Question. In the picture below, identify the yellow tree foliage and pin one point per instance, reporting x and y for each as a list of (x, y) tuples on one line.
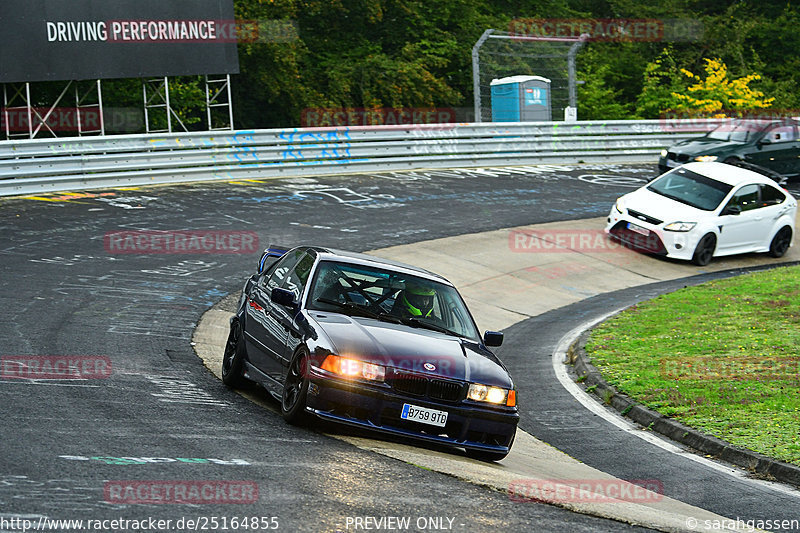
[(718, 96)]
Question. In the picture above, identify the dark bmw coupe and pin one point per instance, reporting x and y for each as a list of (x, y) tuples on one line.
[(372, 343)]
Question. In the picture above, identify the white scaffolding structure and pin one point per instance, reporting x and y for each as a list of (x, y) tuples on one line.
[(18, 103), (24, 118)]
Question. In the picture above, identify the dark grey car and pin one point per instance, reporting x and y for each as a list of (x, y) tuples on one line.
[(771, 144), (376, 344)]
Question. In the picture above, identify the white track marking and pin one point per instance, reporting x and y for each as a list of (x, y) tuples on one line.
[(590, 403)]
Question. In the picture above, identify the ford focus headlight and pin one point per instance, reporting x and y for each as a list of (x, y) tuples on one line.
[(680, 226)]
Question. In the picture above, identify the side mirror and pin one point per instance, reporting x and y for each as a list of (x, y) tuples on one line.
[(493, 338), (283, 297), (732, 210), (765, 140)]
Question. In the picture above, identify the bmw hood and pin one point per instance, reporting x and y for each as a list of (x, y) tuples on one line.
[(408, 349), (703, 146)]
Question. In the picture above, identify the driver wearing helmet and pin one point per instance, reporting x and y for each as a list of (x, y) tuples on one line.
[(415, 301)]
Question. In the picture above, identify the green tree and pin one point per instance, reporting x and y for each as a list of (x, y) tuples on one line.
[(716, 94), (597, 99), (662, 79)]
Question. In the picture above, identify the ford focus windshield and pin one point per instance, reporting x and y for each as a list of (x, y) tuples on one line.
[(690, 188)]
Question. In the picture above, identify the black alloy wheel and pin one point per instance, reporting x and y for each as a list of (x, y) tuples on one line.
[(781, 242), (295, 388), (705, 250)]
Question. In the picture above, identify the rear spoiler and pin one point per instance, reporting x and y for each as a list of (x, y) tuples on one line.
[(777, 177), (271, 255)]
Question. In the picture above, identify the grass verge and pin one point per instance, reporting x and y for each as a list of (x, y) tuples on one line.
[(722, 357)]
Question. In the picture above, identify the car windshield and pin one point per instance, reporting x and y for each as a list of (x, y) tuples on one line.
[(740, 131), (690, 188), (371, 292)]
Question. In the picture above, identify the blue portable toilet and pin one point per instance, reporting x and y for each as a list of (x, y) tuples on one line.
[(521, 99)]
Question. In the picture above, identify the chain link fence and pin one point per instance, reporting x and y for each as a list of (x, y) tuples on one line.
[(499, 55)]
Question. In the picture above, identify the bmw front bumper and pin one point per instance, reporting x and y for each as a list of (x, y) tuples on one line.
[(377, 407)]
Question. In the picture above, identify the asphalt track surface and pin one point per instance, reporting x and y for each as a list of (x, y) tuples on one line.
[(64, 294)]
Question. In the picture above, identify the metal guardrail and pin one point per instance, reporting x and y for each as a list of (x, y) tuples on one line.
[(42, 165)]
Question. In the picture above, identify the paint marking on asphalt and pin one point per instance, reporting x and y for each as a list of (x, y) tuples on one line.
[(47, 383), (612, 417)]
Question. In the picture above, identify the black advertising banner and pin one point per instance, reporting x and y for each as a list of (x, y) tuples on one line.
[(51, 40)]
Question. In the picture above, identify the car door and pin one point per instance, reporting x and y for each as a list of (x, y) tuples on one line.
[(296, 281), (741, 231), (778, 149), (773, 202), (265, 335)]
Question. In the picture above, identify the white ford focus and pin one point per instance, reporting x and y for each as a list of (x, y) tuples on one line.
[(704, 210)]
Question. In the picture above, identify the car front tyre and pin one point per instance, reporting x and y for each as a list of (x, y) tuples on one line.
[(295, 389), (705, 250), (781, 242), (234, 356)]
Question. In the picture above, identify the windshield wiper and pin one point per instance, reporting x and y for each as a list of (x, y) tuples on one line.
[(417, 323), (363, 311)]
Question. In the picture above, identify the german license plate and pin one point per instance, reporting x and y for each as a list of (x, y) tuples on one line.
[(638, 229), (424, 415)]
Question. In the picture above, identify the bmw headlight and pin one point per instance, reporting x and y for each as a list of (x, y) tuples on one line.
[(706, 158), (680, 226), (494, 395), (352, 368)]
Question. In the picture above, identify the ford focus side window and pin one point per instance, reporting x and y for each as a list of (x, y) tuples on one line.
[(746, 198), (771, 196)]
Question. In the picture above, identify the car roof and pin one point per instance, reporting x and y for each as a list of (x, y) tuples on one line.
[(333, 254), (762, 122), (725, 173)]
